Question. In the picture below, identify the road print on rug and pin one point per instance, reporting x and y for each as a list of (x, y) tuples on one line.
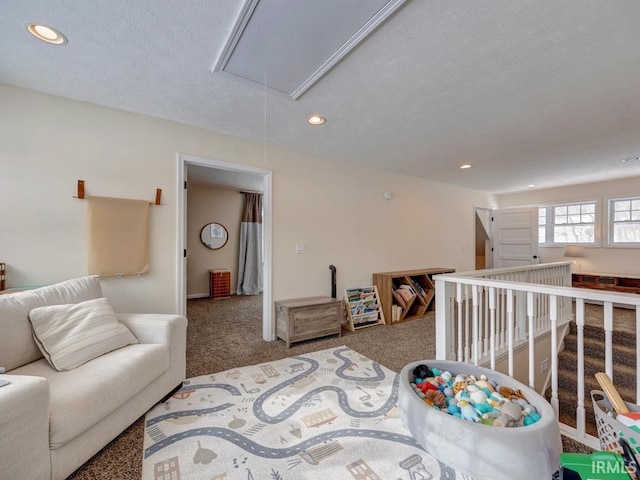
[(329, 414)]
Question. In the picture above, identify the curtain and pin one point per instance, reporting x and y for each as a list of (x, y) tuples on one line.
[(250, 263)]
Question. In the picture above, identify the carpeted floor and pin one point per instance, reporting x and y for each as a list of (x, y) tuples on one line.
[(226, 334)]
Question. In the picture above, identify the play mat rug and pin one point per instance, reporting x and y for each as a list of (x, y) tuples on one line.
[(325, 415)]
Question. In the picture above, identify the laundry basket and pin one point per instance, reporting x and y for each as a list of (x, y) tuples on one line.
[(611, 430)]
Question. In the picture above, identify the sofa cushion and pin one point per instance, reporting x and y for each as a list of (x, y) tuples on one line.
[(70, 335), (85, 395), (14, 316)]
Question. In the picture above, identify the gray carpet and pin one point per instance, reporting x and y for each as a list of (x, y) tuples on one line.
[(225, 334)]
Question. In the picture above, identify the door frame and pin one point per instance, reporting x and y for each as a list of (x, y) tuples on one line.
[(268, 326)]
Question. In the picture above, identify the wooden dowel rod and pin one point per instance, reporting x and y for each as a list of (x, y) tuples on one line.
[(158, 195)]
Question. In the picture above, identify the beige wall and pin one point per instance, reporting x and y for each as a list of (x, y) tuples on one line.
[(599, 259), (205, 205), (47, 143)]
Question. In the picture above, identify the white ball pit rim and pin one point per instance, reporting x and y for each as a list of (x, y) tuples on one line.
[(481, 451)]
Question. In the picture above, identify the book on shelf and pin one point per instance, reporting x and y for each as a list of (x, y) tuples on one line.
[(406, 292), (419, 290), (396, 313)]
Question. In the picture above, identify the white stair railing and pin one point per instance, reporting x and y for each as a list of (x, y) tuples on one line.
[(489, 314)]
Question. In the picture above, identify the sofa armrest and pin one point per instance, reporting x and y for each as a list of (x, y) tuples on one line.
[(164, 329), (24, 427)]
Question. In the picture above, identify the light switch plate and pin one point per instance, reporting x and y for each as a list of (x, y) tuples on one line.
[(301, 248)]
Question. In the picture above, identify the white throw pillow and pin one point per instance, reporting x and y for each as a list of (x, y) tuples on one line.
[(70, 335)]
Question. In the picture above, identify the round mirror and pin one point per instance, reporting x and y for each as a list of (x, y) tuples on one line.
[(214, 236)]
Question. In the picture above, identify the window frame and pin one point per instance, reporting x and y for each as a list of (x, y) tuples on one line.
[(551, 223), (610, 223)]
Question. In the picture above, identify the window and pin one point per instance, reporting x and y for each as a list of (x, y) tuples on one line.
[(567, 224), (624, 221)]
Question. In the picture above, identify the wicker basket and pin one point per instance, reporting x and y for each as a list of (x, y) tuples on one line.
[(610, 429)]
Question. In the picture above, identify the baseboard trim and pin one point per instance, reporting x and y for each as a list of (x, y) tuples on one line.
[(197, 295)]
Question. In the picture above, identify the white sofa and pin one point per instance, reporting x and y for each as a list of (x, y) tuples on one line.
[(51, 422)]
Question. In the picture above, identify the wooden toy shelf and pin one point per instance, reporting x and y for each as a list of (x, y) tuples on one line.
[(363, 308), (408, 294)]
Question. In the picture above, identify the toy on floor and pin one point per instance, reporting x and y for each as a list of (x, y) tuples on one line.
[(477, 400), (599, 465)]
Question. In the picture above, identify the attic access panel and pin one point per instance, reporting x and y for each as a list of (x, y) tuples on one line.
[(287, 45)]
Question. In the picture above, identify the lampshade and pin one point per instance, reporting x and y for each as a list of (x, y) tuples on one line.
[(574, 251)]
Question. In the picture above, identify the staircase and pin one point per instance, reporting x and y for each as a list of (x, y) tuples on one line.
[(624, 370)]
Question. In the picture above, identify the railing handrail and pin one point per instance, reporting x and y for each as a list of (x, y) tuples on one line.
[(480, 273), (574, 292)]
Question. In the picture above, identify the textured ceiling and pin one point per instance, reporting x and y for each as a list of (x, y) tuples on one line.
[(529, 92)]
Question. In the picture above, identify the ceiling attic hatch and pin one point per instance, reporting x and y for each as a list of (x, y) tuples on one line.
[(288, 45)]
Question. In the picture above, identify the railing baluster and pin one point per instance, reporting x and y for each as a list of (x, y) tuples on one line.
[(553, 312), (503, 319), (467, 337), (459, 332), (532, 369), (510, 329), (608, 339), (476, 341), (492, 320), (580, 411)]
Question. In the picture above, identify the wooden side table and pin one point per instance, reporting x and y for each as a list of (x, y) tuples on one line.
[(306, 318), (219, 283)]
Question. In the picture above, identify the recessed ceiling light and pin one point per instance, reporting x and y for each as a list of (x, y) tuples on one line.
[(46, 33), (316, 120), (465, 166), (631, 159), (531, 185)]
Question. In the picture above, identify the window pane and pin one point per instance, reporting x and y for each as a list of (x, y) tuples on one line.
[(574, 234), (574, 209), (626, 233), (589, 208), (620, 205), (589, 218), (635, 215), (621, 216), (561, 219), (560, 211), (635, 204), (574, 219), (542, 216), (542, 234)]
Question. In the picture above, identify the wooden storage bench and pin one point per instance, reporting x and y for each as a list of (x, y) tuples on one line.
[(306, 318)]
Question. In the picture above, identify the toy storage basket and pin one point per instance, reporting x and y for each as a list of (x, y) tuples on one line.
[(610, 429)]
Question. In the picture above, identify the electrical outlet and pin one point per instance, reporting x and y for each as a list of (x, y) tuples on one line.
[(544, 366)]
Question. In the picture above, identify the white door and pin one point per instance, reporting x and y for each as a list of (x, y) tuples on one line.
[(515, 237)]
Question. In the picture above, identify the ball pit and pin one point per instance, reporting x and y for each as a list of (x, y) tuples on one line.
[(479, 450)]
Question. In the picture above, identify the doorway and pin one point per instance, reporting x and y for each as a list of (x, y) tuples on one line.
[(483, 256), (233, 173)]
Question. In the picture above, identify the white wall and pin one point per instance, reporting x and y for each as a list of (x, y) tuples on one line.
[(205, 205), (598, 259), (47, 143)]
